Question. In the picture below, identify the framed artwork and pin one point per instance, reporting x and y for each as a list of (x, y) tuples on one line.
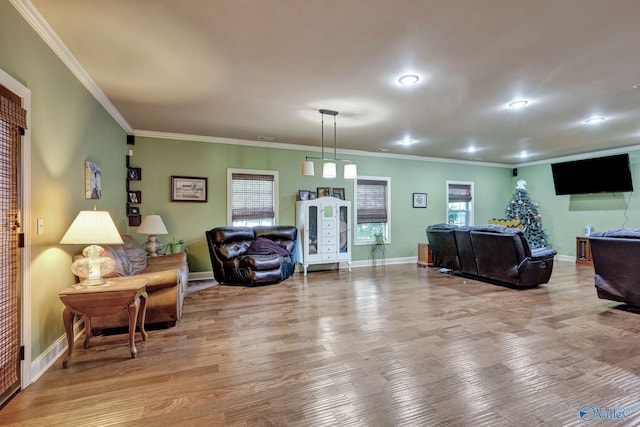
[(313, 195), (135, 197), (134, 211), (338, 193), (324, 191), (134, 174), (419, 200), (189, 189), (303, 194), (92, 180)]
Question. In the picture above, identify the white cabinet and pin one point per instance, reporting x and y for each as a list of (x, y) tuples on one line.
[(324, 231)]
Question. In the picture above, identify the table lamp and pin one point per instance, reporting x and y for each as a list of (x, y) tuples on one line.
[(152, 225), (92, 228)]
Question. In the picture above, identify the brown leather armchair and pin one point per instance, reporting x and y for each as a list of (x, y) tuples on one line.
[(252, 256), (615, 256)]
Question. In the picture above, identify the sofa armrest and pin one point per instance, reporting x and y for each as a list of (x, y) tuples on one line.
[(542, 253), (168, 259), (160, 279)]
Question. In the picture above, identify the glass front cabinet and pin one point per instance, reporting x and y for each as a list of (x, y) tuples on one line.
[(324, 231)]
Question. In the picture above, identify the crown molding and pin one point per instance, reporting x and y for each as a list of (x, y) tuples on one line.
[(582, 156), (44, 30)]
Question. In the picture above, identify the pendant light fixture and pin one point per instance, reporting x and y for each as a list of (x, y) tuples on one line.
[(329, 169)]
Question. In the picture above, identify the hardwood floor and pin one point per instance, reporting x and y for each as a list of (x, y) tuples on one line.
[(399, 346)]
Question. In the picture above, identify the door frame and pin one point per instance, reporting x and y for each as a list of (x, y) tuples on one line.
[(19, 89)]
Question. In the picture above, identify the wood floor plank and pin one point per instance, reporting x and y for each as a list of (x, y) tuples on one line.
[(376, 347)]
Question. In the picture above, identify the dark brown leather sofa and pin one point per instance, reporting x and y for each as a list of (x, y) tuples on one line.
[(252, 256), (492, 253), (615, 256)]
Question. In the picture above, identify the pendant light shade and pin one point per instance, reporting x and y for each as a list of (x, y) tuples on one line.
[(350, 171), (329, 170), (329, 165), (306, 169)]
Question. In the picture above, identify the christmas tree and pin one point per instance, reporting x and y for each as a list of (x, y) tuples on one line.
[(522, 208)]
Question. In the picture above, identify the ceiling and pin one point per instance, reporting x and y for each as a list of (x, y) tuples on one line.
[(250, 69)]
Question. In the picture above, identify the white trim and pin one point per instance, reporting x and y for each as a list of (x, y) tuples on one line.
[(44, 30), (200, 275), (53, 353), (25, 317), (569, 258), (276, 188), (582, 156)]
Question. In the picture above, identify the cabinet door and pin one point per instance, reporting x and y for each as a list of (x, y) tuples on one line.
[(343, 229), (312, 217)]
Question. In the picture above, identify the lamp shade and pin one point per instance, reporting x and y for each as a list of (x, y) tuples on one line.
[(306, 169), (152, 224), (92, 227), (329, 170), (350, 171)]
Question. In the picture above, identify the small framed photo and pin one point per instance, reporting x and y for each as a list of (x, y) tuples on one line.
[(135, 197), (134, 211), (303, 194), (324, 191), (134, 174), (189, 189), (419, 200), (313, 195), (338, 193)]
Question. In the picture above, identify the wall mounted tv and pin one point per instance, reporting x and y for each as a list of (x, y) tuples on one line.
[(611, 174)]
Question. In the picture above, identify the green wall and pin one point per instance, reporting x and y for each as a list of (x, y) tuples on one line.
[(565, 217), (162, 158), (68, 126)]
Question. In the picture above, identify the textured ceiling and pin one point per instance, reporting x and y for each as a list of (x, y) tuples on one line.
[(248, 68)]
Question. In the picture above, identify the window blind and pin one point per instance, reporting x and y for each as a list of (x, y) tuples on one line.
[(252, 196), (371, 197), (12, 119), (459, 193)]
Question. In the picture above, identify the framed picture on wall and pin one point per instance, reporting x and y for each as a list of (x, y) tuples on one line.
[(338, 193), (188, 189), (324, 191), (419, 200)]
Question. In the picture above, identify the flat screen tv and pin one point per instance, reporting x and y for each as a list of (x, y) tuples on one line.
[(611, 174)]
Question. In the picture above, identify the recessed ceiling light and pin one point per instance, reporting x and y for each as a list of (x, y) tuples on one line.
[(593, 120), (408, 79), (407, 141), (524, 154), (471, 149), (518, 104)]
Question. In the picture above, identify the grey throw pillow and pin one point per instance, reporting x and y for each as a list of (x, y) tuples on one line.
[(137, 256)]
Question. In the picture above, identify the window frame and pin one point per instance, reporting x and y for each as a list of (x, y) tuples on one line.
[(387, 233), (276, 191), (470, 212)]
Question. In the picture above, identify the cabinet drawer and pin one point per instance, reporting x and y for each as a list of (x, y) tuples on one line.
[(331, 249), (332, 232), (329, 257), (331, 240), (329, 224)]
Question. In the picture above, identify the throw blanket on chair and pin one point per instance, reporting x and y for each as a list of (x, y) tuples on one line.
[(264, 246)]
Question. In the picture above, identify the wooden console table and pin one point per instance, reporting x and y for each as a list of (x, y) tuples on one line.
[(424, 255), (121, 293), (583, 251)]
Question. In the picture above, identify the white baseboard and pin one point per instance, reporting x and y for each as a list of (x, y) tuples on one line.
[(43, 362), (565, 258), (200, 275)]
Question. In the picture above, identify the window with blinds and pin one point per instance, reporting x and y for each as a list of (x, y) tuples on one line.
[(460, 203), (372, 209), (253, 197), (12, 120)]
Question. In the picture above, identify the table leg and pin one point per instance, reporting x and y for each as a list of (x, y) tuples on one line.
[(87, 330), (133, 309), (142, 314), (67, 318)]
